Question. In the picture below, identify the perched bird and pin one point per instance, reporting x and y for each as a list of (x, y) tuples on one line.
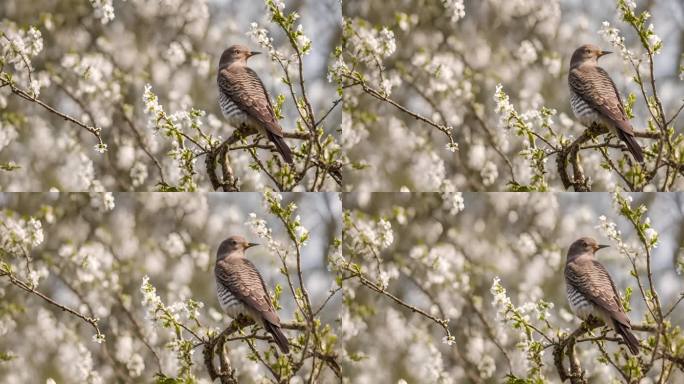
[(592, 293), (241, 290), (595, 100), (243, 99)]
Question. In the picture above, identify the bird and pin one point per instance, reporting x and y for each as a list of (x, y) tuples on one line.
[(241, 289), (244, 100), (592, 293), (595, 99)]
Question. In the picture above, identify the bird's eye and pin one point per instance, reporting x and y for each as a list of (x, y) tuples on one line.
[(232, 242), (587, 51)]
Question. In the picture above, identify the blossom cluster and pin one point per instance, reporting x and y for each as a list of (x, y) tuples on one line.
[(466, 269), (92, 78), (456, 8), (19, 235), (177, 127), (103, 10), (18, 46), (440, 78)]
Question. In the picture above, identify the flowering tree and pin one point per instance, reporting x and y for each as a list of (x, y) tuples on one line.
[(476, 294), (119, 288), (98, 98), (461, 95), (436, 97)]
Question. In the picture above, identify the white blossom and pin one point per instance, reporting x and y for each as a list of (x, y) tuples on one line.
[(303, 42), (262, 38), (258, 226), (19, 235), (135, 365), (99, 339), (651, 236), (503, 105), (453, 200), (138, 173), (489, 173), (486, 366), (612, 36), (101, 148), (455, 8), (372, 43), (385, 234), (527, 53), (150, 298), (175, 54), (104, 10), (175, 245), (526, 244)]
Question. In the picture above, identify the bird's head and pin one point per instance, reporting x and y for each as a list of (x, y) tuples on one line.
[(236, 53), (584, 245), (586, 53), (233, 244)]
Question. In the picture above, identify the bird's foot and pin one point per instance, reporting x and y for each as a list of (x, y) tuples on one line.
[(590, 323)]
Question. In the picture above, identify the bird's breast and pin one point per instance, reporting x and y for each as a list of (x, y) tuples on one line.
[(229, 108), (230, 304), (583, 111), (579, 304), (236, 116)]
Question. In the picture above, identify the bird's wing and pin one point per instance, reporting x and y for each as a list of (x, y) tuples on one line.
[(243, 280), (592, 280), (243, 86), (594, 86)]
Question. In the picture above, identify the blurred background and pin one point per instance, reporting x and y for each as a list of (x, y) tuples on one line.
[(445, 264), (174, 46), (94, 260), (445, 65)]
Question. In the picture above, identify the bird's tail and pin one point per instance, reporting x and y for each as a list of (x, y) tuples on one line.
[(626, 332), (282, 147), (633, 147), (278, 336)]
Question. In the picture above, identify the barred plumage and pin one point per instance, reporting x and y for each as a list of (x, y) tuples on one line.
[(241, 290), (244, 100), (579, 303), (230, 304), (595, 100), (229, 108), (591, 291), (583, 111)]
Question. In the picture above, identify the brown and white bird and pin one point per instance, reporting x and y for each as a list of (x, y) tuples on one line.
[(243, 98), (592, 293), (595, 100), (241, 290)]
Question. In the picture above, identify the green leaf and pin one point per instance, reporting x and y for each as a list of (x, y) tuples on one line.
[(9, 166), (6, 356)]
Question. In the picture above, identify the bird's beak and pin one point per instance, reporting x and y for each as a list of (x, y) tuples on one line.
[(601, 246), (253, 53), (250, 245), (603, 53)]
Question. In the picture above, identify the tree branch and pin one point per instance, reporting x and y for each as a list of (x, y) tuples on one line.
[(30, 289), (215, 346), (26, 96)]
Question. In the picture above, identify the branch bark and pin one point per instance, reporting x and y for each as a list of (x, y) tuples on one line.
[(220, 155), (570, 154), (215, 347), (566, 346)]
